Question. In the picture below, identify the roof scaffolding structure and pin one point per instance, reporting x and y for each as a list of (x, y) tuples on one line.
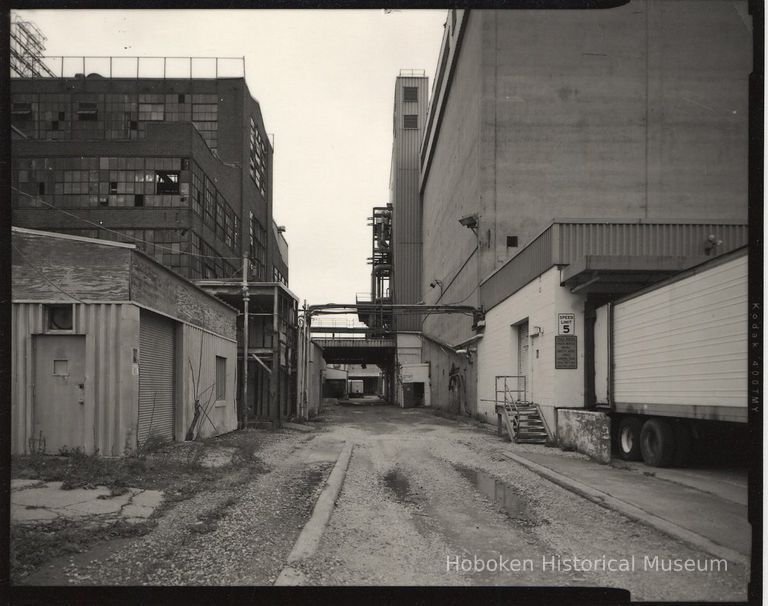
[(27, 48)]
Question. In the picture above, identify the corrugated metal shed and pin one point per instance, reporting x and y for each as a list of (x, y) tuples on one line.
[(110, 405), (563, 242)]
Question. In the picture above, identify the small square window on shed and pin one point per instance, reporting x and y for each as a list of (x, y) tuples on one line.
[(61, 368), (511, 241), (167, 181), (221, 378), (410, 121), (59, 317), (410, 93)]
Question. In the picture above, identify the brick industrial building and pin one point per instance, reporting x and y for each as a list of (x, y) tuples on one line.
[(179, 166)]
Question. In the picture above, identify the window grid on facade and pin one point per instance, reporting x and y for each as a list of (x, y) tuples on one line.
[(76, 182), (175, 248), (86, 116), (257, 249), (258, 151)]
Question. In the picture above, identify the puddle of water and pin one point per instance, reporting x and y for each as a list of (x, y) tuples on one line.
[(502, 495), (398, 483)]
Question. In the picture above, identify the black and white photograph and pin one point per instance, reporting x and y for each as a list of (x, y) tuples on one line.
[(456, 300)]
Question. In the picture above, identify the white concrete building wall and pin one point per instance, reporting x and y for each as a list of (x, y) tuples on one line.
[(408, 348), (497, 352)]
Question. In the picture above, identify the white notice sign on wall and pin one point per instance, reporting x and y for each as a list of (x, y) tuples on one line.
[(566, 324)]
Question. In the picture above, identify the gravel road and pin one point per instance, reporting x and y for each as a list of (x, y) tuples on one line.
[(237, 533), (421, 489), (421, 492)]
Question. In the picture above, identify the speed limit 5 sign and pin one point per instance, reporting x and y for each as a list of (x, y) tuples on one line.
[(566, 324)]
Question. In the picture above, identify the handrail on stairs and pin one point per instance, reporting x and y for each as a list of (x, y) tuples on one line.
[(550, 435)]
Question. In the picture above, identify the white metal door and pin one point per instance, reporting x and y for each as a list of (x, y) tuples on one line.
[(522, 359)]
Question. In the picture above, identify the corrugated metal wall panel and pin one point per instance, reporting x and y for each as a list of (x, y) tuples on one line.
[(407, 235), (157, 363), (662, 353), (683, 239), (566, 242)]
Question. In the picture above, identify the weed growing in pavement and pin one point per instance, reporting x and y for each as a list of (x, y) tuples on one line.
[(207, 522), (33, 545)]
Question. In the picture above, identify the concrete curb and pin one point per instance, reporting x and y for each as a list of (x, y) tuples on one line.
[(309, 539), (632, 511)]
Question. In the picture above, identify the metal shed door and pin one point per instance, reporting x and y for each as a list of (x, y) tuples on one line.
[(157, 361)]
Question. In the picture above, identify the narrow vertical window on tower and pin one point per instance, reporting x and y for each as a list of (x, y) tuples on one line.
[(410, 93), (410, 121)]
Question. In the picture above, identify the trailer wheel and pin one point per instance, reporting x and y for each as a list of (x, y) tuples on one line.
[(628, 438), (657, 442)]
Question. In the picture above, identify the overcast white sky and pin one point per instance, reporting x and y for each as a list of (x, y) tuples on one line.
[(325, 82)]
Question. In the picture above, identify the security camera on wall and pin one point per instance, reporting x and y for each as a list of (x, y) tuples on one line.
[(469, 221)]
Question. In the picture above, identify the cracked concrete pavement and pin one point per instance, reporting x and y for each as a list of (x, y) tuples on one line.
[(34, 502)]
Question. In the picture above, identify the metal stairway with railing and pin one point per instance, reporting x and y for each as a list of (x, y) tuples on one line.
[(529, 427), (522, 419)]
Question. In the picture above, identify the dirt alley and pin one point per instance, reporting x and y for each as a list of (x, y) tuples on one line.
[(420, 490)]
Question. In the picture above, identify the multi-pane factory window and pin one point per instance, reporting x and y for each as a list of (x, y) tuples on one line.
[(277, 276), (410, 93), (410, 121), (167, 181), (111, 116), (212, 207), (152, 112), (257, 159), (87, 111), (209, 204), (257, 249), (99, 181), (197, 189), (180, 250)]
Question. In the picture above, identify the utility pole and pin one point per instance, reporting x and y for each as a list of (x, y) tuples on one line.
[(274, 377), (305, 383), (244, 408)]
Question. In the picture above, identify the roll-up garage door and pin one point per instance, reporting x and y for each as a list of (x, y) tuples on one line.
[(157, 361)]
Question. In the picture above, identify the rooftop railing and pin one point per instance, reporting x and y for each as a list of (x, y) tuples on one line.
[(413, 73), (143, 67)]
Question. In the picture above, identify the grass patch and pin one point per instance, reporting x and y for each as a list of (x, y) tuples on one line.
[(173, 468), (33, 545)]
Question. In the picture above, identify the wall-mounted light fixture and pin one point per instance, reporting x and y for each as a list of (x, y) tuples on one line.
[(711, 244), (470, 221)]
